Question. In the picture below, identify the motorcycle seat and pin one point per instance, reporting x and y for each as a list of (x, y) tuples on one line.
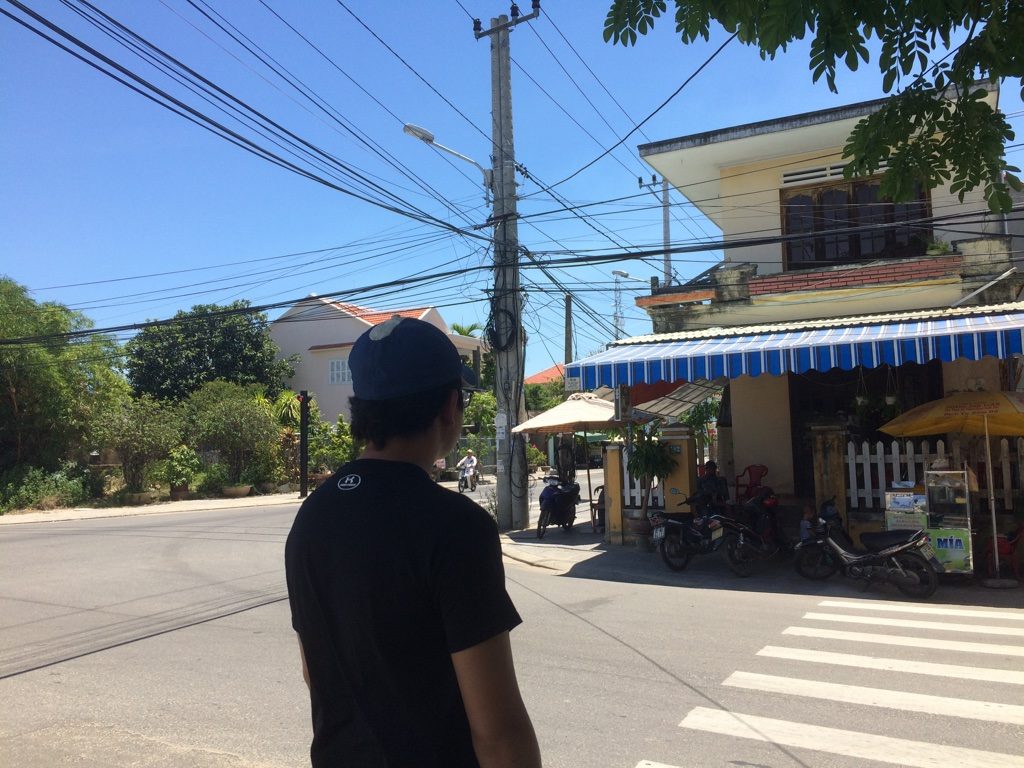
[(876, 542), (682, 517)]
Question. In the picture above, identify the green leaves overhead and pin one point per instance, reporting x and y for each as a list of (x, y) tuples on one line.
[(933, 55)]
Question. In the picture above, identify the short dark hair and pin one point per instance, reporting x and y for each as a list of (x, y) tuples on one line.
[(377, 421)]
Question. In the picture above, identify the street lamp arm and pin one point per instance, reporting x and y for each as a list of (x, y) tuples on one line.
[(428, 138)]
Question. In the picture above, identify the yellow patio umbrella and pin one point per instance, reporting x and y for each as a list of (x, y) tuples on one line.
[(975, 413)]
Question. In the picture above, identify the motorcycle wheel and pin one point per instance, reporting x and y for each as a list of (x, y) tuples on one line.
[(673, 553), (915, 565), (542, 524), (462, 484), (739, 557), (472, 483), (815, 563)]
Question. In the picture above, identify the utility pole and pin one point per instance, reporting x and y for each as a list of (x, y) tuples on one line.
[(568, 328), (666, 229), (506, 333)]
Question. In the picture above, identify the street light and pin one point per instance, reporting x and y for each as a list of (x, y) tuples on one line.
[(428, 138), (617, 319)]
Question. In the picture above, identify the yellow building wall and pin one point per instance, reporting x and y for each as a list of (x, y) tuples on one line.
[(761, 432)]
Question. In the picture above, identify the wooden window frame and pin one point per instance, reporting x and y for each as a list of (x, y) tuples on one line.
[(850, 185)]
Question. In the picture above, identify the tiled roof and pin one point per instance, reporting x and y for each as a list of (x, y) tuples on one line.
[(374, 316), (554, 373)]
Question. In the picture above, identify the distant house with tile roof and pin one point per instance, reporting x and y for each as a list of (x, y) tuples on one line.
[(554, 373), (321, 331)]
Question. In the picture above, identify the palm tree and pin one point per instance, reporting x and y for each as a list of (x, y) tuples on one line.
[(467, 330)]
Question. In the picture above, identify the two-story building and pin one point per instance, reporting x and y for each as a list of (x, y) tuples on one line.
[(321, 331), (832, 304)]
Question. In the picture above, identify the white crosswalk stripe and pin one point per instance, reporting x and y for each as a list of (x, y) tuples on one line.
[(989, 675), (884, 749), (912, 642), (937, 657), (941, 626), (879, 697), (929, 610)]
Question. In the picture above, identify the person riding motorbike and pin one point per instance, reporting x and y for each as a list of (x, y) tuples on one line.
[(468, 462)]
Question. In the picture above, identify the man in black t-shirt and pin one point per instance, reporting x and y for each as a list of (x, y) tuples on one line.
[(396, 584)]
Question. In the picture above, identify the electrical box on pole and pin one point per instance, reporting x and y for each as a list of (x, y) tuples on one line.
[(505, 326)]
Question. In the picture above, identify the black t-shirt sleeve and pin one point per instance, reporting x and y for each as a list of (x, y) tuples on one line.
[(470, 583)]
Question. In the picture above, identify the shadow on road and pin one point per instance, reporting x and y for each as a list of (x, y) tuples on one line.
[(595, 559)]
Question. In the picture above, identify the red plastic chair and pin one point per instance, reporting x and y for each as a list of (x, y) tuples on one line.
[(746, 489), (1007, 554)]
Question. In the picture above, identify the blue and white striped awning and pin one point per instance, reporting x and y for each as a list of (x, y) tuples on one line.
[(969, 333)]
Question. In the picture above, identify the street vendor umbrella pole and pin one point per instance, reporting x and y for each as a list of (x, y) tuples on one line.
[(987, 413)]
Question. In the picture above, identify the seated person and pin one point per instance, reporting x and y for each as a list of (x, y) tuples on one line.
[(715, 490)]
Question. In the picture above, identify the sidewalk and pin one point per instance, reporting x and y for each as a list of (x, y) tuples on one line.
[(157, 508)]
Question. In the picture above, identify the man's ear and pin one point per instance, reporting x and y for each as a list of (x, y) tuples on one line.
[(450, 410)]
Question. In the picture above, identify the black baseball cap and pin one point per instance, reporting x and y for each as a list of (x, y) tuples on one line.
[(404, 356)]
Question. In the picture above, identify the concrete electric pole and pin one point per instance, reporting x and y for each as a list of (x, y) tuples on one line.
[(666, 229), (506, 332)]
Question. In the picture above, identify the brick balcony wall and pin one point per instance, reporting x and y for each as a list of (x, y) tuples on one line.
[(927, 268)]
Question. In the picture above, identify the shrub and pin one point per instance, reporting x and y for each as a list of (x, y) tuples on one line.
[(534, 456), (330, 448), (25, 487), (141, 430), (229, 418), (181, 467), (214, 478)]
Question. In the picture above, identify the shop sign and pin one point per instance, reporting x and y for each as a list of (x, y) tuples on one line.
[(952, 548)]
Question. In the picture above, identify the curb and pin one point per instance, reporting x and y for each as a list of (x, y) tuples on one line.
[(161, 508)]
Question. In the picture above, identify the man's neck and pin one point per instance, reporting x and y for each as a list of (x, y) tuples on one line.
[(420, 450)]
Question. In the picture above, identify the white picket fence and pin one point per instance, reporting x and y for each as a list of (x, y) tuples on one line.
[(632, 491), (872, 469)]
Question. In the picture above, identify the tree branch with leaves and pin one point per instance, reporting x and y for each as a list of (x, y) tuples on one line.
[(936, 57)]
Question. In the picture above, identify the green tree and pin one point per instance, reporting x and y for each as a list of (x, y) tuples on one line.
[(935, 128), (53, 378), (649, 459), (207, 343), (234, 421), (541, 397), (487, 363), (482, 410), (702, 414), (142, 430)]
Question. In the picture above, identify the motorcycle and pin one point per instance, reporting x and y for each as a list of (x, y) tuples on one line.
[(903, 558), (681, 535), (757, 537), (467, 478), (558, 506)]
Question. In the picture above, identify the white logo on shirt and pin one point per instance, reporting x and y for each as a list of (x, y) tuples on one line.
[(349, 482)]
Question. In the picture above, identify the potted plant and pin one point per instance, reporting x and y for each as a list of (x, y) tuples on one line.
[(180, 471), (649, 459)]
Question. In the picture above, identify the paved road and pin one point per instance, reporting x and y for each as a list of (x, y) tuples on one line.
[(163, 640)]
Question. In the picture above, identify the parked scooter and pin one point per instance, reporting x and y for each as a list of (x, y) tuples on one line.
[(557, 505), (681, 535), (903, 558), (755, 535), (467, 478)]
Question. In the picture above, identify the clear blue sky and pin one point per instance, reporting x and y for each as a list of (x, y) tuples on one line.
[(101, 184)]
